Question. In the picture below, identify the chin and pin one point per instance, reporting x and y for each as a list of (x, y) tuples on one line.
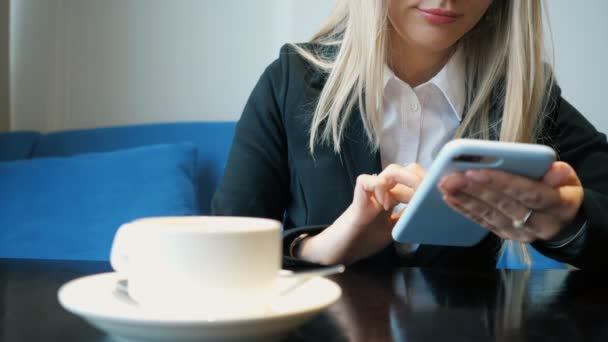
[(435, 45), (434, 39)]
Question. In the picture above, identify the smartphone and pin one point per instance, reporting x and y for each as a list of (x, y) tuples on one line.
[(429, 220)]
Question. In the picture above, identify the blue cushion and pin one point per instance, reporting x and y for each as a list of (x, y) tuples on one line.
[(510, 260), (70, 208), (17, 145), (213, 140)]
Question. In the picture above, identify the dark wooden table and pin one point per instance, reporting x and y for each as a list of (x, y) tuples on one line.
[(407, 304)]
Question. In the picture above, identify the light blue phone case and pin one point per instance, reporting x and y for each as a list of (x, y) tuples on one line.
[(429, 220)]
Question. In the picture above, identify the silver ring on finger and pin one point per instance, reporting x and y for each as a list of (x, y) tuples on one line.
[(520, 224)]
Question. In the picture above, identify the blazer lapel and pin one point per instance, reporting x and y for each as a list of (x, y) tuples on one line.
[(358, 156)]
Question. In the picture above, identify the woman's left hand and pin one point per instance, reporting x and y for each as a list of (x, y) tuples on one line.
[(515, 207)]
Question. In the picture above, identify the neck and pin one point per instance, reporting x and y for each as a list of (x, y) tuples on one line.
[(412, 64)]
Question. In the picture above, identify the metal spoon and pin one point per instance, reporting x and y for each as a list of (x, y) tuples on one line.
[(302, 277)]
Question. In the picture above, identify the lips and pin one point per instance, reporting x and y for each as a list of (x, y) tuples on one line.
[(439, 16)]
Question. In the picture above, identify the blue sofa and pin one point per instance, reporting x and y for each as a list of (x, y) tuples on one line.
[(64, 194)]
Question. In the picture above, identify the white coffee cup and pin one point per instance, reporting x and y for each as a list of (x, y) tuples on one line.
[(216, 266)]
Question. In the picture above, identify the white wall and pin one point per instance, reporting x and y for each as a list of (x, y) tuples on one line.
[(580, 34), (87, 63), (4, 66)]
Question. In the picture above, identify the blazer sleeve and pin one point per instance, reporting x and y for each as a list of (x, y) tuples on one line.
[(256, 178), (579, 144)]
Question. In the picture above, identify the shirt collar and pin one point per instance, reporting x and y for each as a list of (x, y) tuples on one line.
[(449, 80)]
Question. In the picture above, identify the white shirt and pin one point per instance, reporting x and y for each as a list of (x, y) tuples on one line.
[(418, 122)]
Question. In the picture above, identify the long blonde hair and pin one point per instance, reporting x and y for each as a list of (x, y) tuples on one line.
[(503, 67)]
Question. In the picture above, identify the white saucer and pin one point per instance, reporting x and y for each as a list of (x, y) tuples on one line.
[(96, 299)]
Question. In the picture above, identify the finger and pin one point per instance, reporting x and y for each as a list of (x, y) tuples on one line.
[(417, 169), (571, 201), (540, 224), (453, 183), (532, 194), (366, 190), (562, 177), (395, 173), (396, 195), (381, 193), (480, 209), (560, 173), (492, 218), (455, 205), (397, 215), (400, 194), (511, 208), (379, 187)]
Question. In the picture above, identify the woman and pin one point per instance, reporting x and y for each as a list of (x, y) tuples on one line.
[(340, 130)]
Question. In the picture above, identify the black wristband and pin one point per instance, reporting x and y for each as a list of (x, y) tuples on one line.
[(570, 233)]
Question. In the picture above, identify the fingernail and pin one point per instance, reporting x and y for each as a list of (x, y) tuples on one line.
[(478, 176), (454, 183), (444, 190), (443, 184), (384, 201)]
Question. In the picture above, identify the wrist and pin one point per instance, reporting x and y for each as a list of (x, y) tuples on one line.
[(569, 232), (331, 245), (349, 223), (314, 249)]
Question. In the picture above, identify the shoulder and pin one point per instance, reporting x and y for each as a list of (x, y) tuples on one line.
[(292, 70), (550, 113), (287, 89), (564, 126), (289, 52)]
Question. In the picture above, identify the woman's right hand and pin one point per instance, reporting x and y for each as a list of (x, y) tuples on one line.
[(365, 226)]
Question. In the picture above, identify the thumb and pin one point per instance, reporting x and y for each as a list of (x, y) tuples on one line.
[(558, 174)]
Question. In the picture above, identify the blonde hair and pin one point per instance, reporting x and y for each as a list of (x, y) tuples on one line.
[(512, 295), (503, 66)]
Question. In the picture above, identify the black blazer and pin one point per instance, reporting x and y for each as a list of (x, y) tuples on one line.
[(270, 172)]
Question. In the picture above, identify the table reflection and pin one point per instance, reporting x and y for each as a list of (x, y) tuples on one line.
[(379, 303), (434, 305)]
